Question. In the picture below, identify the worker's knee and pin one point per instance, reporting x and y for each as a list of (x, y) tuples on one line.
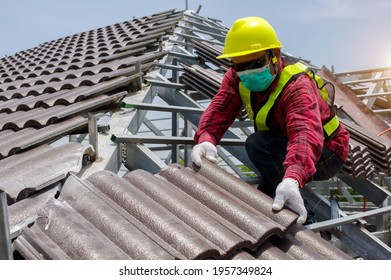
[(328, 168)]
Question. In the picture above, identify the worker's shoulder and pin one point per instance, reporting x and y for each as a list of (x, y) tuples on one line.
[(300, 81), (231, 77), (300, 87)]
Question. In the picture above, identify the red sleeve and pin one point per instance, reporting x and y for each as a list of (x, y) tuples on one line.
[(221, 112), (304, 129)]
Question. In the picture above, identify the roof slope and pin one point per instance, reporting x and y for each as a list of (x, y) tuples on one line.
[(178, 213), (46, 91)]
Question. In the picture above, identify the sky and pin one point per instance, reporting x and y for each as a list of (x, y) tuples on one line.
[(345, 35)]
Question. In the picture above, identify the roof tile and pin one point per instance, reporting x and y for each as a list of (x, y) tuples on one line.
[(175, 214)]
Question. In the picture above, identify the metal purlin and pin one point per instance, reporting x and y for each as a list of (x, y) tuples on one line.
[(5, 240)]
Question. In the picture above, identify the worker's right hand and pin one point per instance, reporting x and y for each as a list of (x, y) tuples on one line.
[(204, 149)]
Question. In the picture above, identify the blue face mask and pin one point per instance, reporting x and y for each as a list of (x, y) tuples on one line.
[(257, 79)]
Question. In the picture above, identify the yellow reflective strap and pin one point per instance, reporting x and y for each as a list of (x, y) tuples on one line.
[(321, 86), (264, 111), (300, 67), (245, 95), (331, 126), (286, 75)]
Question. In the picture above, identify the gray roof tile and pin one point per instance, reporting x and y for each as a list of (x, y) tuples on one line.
[(14, 142), (36, 169), (175, 214), (46, 85)]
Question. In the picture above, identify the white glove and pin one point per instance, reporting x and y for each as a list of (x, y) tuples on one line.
[(287, 193), (204, 149)]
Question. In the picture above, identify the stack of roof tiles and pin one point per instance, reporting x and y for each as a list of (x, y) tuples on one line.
[(375, 152), (178, 213), (359, 162)]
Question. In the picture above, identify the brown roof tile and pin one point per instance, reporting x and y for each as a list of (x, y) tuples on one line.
[(175, 214)]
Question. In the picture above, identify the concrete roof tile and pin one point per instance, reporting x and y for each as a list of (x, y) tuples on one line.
[(175, 214)]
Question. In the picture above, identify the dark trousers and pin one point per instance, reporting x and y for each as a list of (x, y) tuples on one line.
[(268, 152)]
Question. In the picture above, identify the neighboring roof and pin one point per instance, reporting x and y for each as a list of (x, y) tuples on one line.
[(178, 213), (59, 89)]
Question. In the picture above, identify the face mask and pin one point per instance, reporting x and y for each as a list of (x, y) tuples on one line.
[(257, 79)]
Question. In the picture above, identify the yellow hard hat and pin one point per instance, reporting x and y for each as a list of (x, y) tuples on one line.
[(249, 35)]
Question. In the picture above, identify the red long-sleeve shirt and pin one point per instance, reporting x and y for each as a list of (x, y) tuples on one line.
[(297, 115)]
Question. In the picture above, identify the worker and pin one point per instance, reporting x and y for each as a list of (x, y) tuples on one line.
[(297, 136)]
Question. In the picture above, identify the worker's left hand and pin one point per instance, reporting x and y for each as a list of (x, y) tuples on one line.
[(287, 193)]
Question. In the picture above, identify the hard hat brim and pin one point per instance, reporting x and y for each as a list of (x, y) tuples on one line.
[(243, 53)]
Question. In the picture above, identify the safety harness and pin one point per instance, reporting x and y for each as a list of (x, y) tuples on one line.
[(330, 126)]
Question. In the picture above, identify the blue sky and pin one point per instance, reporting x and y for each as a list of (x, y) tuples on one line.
[(348, 34)]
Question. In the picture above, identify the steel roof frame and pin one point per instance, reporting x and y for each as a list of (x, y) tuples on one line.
[(373, 87)]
